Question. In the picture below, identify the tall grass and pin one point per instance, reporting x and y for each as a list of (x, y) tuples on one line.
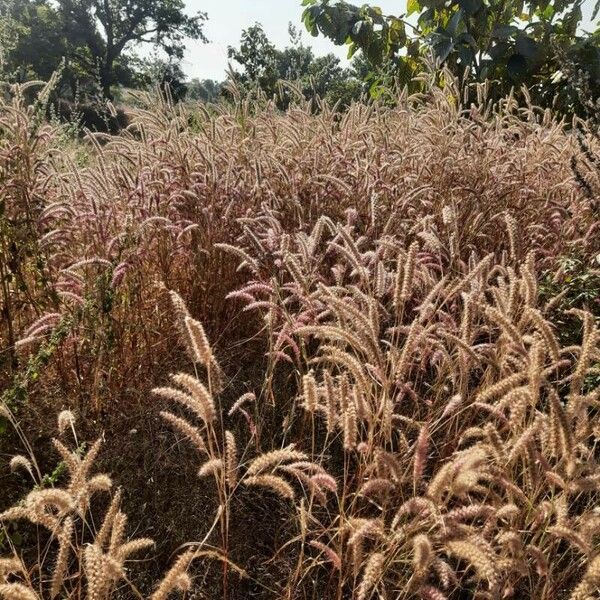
[(344, 321)]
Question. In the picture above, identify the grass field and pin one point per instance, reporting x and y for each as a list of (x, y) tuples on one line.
[(311, 355)]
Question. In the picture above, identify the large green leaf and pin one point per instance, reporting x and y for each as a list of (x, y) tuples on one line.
[(397, 34), (470, 7), (499, 50), (504, 32), (547, 13), (413, 6), (467, 38), (527, 47), (442, 46), (454, 22), (516, 66), (465, 54)]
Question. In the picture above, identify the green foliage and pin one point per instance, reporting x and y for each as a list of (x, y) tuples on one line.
[(31, 43), (166, 75), (258, 58), (110, 29), (205, 90), (363, 28), (95, 38), (580, 284), (513, 42), (264, 66), (17, 393), (575, 285)]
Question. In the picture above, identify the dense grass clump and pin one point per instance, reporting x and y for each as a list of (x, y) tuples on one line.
[(323, 355)]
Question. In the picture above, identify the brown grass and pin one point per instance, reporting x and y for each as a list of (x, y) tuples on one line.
[(368, 373)]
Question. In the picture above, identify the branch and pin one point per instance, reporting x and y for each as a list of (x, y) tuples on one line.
[(129, 35)]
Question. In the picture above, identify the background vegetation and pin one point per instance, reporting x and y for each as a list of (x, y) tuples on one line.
[(96, 46)]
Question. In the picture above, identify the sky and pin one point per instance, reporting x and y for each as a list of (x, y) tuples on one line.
[(227, 19)]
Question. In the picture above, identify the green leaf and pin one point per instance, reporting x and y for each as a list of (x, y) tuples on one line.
[(517, 66), (547, 13), (442, 47), (503, 32), (413, 48), (470, 7), (467, 38), (426, 19), (454, 22), (413, 6), (527, 47), (466, 55), (362, 33), (397, 34)]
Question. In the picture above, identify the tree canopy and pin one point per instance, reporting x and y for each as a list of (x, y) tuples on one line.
[(263, 66), (94, 38), (509, 41)]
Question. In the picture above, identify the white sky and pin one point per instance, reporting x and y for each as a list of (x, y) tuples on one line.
[(227, 19)]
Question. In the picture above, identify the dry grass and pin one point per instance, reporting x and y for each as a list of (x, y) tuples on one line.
[(369, 372)]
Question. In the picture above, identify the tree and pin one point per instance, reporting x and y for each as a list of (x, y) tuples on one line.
[(31, 44), (167, 75), (264, 66), (258, 58), (94, 38), (205, 90), (110, 27), (296, 60), (512, 41)]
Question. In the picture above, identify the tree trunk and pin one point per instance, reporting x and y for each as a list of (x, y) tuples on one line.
[(106, 78)]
